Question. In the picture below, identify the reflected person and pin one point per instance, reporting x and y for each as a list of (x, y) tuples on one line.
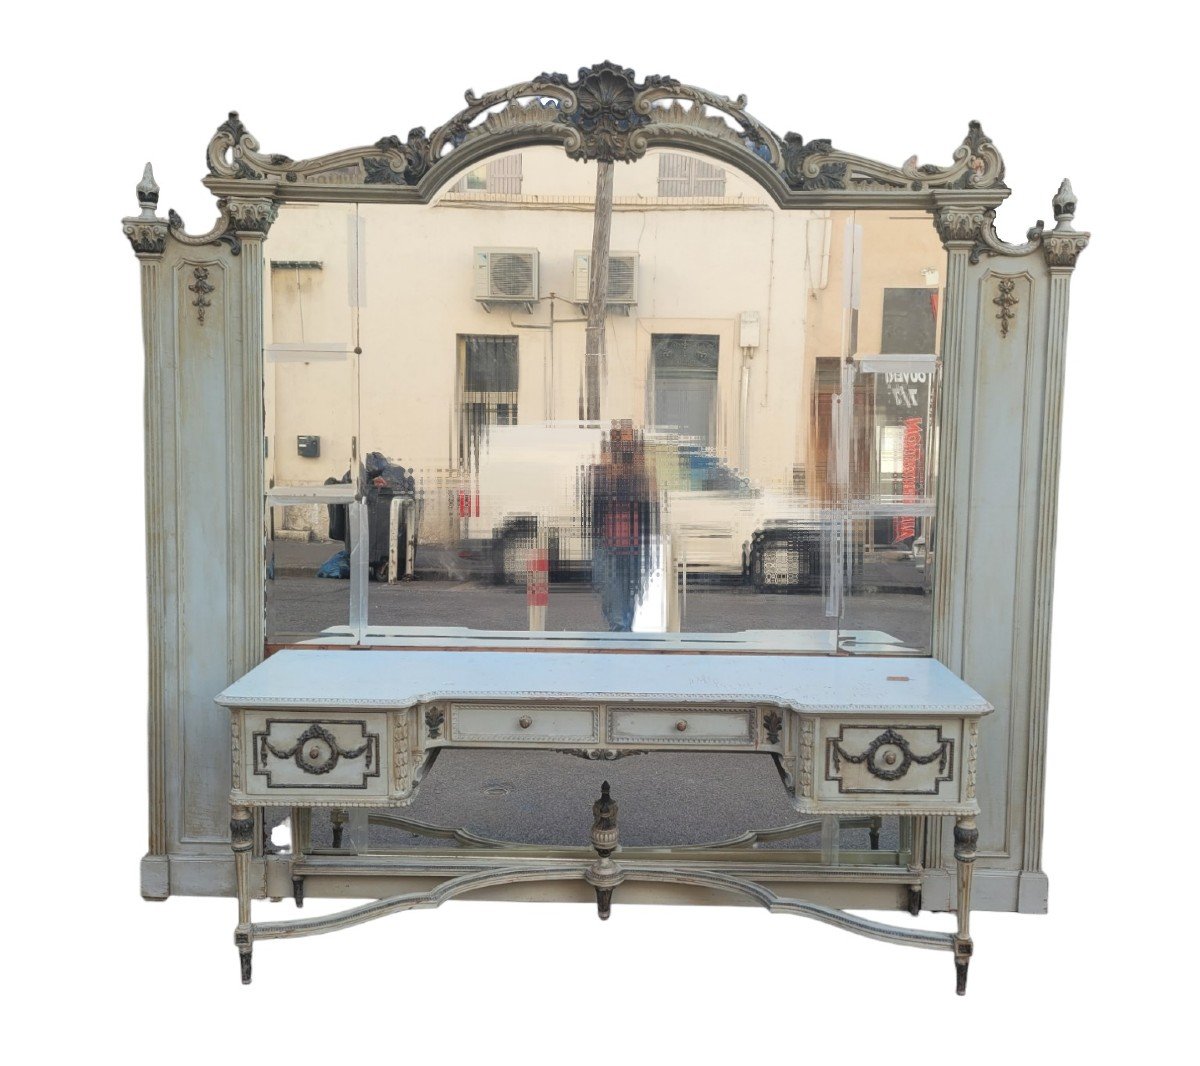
[(623, 524)]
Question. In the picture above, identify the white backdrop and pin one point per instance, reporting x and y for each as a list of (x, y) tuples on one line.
[(93, 92)]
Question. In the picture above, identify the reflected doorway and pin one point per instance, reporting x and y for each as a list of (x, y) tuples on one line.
[(685, 384)]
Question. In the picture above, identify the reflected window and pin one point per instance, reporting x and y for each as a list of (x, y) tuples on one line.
[(909, 320), (688, 175), (489, 368), (501, 175), (685, 385)]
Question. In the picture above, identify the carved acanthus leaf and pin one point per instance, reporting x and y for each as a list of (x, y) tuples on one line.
[(251, 215), (147, 237), (961, 224), (1062, 249)]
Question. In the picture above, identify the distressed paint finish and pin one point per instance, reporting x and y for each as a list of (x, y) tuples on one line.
[(204, 534), (997, 504), (223, 626)]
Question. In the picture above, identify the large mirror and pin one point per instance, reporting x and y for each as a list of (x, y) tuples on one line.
[(750, 449)]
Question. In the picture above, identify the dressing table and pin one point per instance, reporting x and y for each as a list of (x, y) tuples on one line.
[(856, 736), (635, 428)]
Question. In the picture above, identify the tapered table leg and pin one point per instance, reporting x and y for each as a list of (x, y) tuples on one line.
[(966, 837), (241, 830)]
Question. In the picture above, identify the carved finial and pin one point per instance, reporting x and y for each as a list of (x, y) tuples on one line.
[(604, 819), (1063, 244), (147, 192), (604, 874), (146, 232), (1064, 205)]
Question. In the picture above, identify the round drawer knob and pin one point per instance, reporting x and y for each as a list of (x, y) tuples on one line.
[(890, 758), (314, 753), (525, 721), (681, 725)]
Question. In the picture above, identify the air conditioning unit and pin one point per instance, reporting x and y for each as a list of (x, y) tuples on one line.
[(506, 275), (622, 278)]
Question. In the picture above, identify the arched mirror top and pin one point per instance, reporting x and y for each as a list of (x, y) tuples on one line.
[(605, 114)]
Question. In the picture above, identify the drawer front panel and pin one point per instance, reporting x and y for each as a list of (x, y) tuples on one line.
[(896, 760), (681, 725), (290, 753), (529, 722)]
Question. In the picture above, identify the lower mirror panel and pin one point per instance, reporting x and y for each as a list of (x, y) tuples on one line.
[(474, 798)]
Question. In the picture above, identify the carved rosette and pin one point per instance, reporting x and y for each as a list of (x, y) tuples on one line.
[(251, 216)]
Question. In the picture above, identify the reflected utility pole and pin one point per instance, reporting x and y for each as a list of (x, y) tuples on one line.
[(593, 360)]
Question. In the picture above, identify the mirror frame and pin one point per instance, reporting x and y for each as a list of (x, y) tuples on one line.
[(1003, 347)]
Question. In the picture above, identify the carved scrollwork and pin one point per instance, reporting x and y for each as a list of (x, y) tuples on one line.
[(316, 750), (610, 108), (598, 754), (1061, 245), (231, 149), (889, 739), (605, 113)]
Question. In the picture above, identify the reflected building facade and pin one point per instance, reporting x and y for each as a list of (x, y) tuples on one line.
[(736, 340)]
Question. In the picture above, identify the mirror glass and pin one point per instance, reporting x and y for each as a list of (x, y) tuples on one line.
[(754, 451)]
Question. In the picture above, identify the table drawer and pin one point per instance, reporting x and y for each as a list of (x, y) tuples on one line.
[(898, 760), (298, 753), (681, 725), (523, 722)]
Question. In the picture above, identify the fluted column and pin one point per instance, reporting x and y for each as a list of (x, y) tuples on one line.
[(147, 233)]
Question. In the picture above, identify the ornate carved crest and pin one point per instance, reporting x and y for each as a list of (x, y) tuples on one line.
[(607, 112), (603, 114)]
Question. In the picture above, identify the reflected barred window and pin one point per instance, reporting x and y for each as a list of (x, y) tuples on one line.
[(488, 376)]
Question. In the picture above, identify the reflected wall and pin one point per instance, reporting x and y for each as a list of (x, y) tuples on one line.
[(766, 454)]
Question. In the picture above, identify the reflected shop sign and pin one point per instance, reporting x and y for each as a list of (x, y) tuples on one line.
[(902, 394)]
